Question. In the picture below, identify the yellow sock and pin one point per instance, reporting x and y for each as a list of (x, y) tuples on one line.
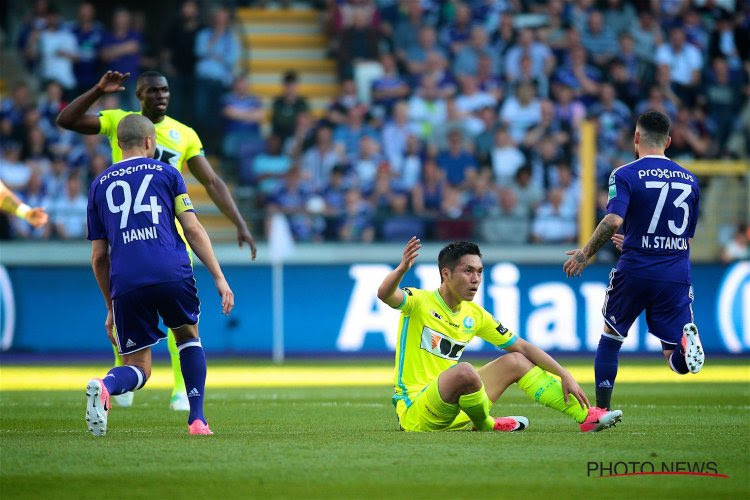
[(174, 354), (477, 406), (118, 358), (547, 390)]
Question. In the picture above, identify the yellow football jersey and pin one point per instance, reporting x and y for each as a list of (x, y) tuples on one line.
[(175, 143), (432, 338)]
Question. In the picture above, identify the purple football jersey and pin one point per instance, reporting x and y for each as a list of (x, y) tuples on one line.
[(133, 205), (658, 200)]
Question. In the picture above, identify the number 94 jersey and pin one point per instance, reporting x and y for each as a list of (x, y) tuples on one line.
[(658, 200), (133, 205)]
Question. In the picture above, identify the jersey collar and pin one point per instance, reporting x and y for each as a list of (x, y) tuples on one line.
[(444, 305), (654, 156)]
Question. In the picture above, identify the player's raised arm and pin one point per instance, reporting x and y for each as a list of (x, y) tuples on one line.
[(74, 116), (199, 241), (579, 257), (219, 193), (389, 292)]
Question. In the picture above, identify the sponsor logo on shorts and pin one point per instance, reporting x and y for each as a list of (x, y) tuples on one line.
[(129, 344)]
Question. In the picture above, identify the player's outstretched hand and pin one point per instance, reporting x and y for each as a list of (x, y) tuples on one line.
[(227, 296), (112, 81), (244, 236), (576, 263), (618, 240), (571, 387), (37, 217), (411, 252), (109, 325)]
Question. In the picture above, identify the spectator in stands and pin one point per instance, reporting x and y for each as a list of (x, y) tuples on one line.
[(646, 35), (14, 173), (400, 224), (243, 115), (437, 67), (542, 59), (51, 103), (456, 33), (467, 59), (121, 51), (730, 42), (488, 80), (549, 125), (457, 162), (612, 118), (217, 52), (82, 154), (452, 224), (472, 99), (68, 212), (485, 140), (178, 64), (389, 87), (722, 96), (510, 225), (359, 39), (89, 35), (506, 157), (619, 16), (318, 161), (33, 195), (346, 100), (407, 31), (695, 32), (14, 108), (349, 134), (57, 49), (528, 193), (599, 40), (287, 106), (552, 224), (656, 100), (687, 141), (685, 62), (416, 55), (291, 200), (737, 248), (407, 171), (268, 168), (368, 162), (582, 77), (427, 196), (55, 178), (99, 164), (303, 138), (30, 30), (482, 198), (521, 112), (426, 108), (396, 133), (356, 224)]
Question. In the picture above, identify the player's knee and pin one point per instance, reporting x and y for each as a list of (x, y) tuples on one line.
[(517, 362), (467, 377)]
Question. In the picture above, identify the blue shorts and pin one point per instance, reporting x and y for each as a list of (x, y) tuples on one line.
[(668, 305), (137, 313)]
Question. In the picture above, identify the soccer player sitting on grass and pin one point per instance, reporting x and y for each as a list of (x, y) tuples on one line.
[(10, 204), (433, 391), (655, 200), (143, 270)]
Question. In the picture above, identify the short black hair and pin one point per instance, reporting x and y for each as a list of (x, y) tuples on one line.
[(149, 74), (452, 253), (654, 127)]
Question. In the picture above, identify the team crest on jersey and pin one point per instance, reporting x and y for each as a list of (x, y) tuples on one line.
[(441, 345), (174, 134), (469, 323), (612, 186)]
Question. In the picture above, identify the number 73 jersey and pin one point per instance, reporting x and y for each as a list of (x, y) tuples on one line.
[(133, 205), (658, 200)]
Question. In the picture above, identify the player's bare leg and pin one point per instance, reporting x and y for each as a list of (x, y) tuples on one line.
[(462, 385), (193, 365), (178, 401)]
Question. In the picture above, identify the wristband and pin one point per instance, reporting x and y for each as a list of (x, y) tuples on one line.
[(22, 210)]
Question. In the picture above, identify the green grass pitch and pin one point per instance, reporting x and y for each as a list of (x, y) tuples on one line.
[(343, 442)]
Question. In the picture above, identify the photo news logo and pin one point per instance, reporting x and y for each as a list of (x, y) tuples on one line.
[(649, 468)]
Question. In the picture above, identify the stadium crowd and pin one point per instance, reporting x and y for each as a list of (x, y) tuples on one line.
[(455, 119)]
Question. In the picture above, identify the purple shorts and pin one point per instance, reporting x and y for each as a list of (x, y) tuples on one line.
[(137, 313), (668, 305)]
